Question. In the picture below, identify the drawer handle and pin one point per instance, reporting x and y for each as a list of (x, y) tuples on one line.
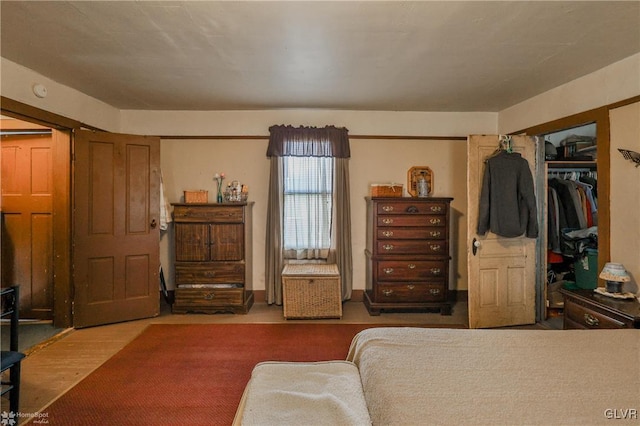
[(435, 233), (434, 221), (387, 208), (388, 233), (434, 291), (411, 286), (412, 209), (209, 296), (387, 221), (412, 266), (388, 246), (435, 247), (435, 271), (436, 208), (591, 320), (387, 292), (388, 270)]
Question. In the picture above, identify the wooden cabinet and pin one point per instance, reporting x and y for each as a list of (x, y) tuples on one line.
[(585, 309), (407, 254), (213, 258)]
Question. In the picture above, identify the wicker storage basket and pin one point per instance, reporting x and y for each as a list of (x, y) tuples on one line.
[(196, 196), (386, 190), (311, 291)]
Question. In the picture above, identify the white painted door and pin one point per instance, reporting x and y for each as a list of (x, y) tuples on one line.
[(502, 271)]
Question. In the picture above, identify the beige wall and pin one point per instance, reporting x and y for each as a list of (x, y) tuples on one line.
[(257, 123), (191, 164), (625, 192), (617, 82), (16, 82)]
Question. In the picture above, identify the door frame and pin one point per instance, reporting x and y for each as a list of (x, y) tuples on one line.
[(599, 116), (60, 145), (62, 229)]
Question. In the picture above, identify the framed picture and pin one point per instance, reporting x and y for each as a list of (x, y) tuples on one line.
[(414, 174)]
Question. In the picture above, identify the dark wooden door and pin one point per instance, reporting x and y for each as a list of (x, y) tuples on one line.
[(27, 221), (116, 227)]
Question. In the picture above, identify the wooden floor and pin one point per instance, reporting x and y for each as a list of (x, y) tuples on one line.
[(58, 364)]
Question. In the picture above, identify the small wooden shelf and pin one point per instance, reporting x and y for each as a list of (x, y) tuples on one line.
[(571, 164)]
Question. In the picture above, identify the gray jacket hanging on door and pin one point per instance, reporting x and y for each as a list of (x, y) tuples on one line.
[(507, 199)]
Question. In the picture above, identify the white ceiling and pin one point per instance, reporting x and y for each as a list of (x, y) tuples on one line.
[(359, 55)]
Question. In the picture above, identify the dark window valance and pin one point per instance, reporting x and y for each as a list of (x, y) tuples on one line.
[(329, 141)]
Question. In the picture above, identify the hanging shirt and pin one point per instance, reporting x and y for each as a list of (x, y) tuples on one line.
[(165, 208), (507, 200)]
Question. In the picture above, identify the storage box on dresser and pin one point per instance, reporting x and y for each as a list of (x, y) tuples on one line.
[(311, 291), (407, 254), (213, 258)]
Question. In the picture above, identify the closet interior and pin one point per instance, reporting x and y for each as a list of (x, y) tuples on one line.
[(571, 212)]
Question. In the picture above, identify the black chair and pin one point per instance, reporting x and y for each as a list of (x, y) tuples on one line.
[(12, 358)]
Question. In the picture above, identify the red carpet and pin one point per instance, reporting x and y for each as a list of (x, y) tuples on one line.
[(191, 374)]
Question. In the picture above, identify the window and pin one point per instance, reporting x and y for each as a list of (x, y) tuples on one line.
[(307, 206)]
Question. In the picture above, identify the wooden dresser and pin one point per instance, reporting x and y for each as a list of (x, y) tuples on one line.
[(585, 309), (213, 258), (407, 254)]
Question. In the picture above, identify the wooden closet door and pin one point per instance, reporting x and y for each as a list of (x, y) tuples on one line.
[(27, 222), (502, 271)]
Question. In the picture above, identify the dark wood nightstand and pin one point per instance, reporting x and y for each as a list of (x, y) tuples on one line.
[(585, 309)]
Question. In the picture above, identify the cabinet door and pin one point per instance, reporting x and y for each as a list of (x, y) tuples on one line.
[(227, 242), (192, 242)]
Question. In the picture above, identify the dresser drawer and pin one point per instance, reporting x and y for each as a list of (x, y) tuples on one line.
[(409, 208), (211, 214), (412, 220), (207, 273), (579, 316), (410, 292), (410, 270), (191, 299), (414, 247), (411, 233)]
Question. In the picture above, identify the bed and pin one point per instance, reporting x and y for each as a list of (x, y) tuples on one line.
[(420, 376), (414, 376)]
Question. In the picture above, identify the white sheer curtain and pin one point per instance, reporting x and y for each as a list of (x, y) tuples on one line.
[(308, 206)]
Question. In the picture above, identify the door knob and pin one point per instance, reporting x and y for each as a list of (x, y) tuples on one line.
[(153, 224), (474, 246)]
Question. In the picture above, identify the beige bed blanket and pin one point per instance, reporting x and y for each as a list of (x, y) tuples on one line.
[(414, 376)]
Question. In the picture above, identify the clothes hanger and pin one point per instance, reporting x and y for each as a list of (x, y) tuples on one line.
[(504, 145)]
